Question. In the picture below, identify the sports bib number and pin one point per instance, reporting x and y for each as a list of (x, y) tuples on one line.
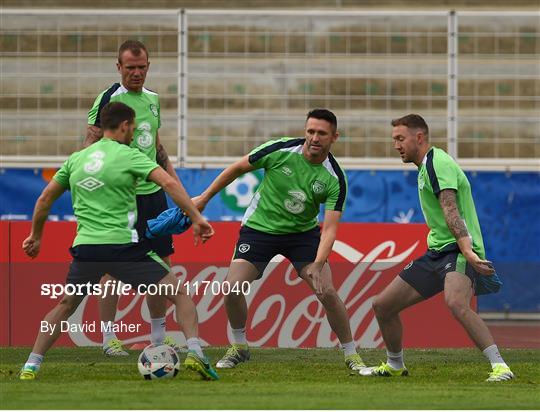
[(145, 139), (296, 203), (96, 162)]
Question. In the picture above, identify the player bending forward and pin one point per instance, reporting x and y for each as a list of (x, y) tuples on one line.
[(455, 260), (300, 175)]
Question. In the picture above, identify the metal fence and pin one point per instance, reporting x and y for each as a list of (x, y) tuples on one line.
[(232, 79)]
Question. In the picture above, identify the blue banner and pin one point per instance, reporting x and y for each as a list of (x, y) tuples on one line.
[(507, 206)]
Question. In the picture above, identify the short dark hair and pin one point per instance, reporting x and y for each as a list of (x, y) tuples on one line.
[(114, 113), (412, 121), (323, 114), (134, 46)]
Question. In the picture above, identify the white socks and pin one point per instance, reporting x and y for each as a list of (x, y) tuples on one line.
[(107, 331), (349, 348), (239, 336), (157, 330), (194, 345), (493, 355), (395, 359), (34, 361)]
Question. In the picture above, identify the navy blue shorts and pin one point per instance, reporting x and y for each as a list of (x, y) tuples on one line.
[(132, 263), (149, 207), (427, 273), (259, 247)]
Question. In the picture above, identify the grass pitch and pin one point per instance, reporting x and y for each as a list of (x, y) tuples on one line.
[(82, 378)]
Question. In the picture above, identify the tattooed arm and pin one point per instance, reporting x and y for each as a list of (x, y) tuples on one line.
[(447, 199), (162, 159), (456, 225), (93, 134)]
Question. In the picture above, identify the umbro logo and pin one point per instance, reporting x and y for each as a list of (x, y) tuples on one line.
[(243, 248), (90, 184)]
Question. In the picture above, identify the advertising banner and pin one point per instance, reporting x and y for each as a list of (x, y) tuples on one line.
[(4, 281), (504, 201), (283, 311)]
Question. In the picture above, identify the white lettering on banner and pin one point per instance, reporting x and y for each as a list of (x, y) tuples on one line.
[(203, 307), (286, 339), (291, 280), (285, 323), (370, 262), (261, 314)]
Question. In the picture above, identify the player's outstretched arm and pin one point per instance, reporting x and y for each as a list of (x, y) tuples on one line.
[(201, 228), (32, 243), (225, 178), (454, 221), (93, 134), (162, 159)]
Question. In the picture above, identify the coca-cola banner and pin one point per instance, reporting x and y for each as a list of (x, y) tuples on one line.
[(283, 312)]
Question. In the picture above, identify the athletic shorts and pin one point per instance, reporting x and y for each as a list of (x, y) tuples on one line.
[(259, 247), (149, 207), (132, 263), (427, 273)]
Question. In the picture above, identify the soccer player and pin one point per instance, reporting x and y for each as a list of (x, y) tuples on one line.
[(300, 175), (455, 258), (102, 181), (133, 66)]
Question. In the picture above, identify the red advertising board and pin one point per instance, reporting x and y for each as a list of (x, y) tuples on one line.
[(4, 281), (283, 312)]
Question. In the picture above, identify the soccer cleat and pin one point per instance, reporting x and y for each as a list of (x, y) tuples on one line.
[(500, 373), (114, 348), (200, 365), (383, 370), (354, 362), (172, 343), (28, 373), (235, 354)]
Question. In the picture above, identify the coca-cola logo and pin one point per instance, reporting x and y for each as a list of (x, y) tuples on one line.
[(283, 311)]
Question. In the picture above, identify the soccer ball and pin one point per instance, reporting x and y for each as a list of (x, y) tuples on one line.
[(158, 362)]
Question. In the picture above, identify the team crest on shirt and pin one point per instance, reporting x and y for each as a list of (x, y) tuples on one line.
[(154, 110), (421, 182), (318, 187)]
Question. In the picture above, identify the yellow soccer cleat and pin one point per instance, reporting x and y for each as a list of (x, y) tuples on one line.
[(383, 370)]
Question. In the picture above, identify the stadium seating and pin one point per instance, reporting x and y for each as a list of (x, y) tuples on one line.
[(247, 81)]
